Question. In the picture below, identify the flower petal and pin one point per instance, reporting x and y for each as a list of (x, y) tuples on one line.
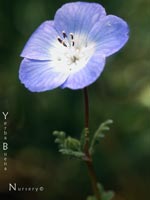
[(78, 16), (40, 42), (110, 34), (86, 75), (40, 76)]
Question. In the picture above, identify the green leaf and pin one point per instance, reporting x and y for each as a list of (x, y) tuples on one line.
[(105, 195), (91, 198), (69, 152), (68, 145), (108, 195), (72, 143), (100, 133), (60, 138)]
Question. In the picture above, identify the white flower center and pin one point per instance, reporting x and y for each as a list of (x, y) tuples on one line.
[(71, 52)]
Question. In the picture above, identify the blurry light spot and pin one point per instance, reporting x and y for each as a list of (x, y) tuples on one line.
[(144, 97)]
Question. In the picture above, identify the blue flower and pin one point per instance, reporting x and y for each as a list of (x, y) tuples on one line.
[(70, 51)]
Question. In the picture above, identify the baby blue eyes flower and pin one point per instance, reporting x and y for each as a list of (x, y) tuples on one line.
[(70, 51)]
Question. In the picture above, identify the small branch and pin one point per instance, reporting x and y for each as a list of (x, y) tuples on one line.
[(86, 107), (86, 123), (93, 177), (88, 159)]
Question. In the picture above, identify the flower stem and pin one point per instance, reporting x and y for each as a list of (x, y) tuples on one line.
[(88, 159)]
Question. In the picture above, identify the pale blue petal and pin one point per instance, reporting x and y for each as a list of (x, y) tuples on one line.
[(110, 34), (40, 42), (86, 75), (40, 76), (78, 17)]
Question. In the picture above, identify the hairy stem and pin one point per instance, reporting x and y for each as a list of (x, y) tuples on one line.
[(88, 159)]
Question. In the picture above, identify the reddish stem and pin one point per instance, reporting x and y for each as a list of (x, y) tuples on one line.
[(88, 159)]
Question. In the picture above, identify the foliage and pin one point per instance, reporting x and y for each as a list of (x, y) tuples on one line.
[(68, 145), (73, 147), (105, 195), (100, 133)]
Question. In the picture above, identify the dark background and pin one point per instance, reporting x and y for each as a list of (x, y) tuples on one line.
[(122, 93)]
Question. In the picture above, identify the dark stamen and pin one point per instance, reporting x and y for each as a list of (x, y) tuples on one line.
[(63, 41), (71, 35), (60, 40), (64, 44), (64, 34), (72, 43)]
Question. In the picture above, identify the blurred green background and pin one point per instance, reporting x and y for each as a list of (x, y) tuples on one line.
[(122, 93)]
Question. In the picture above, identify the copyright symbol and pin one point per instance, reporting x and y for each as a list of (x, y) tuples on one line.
[(41, 189)]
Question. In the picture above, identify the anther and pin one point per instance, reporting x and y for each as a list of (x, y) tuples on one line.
[(71, 35), (60, 40), (64, 44), (64, 34), (73, 43)]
